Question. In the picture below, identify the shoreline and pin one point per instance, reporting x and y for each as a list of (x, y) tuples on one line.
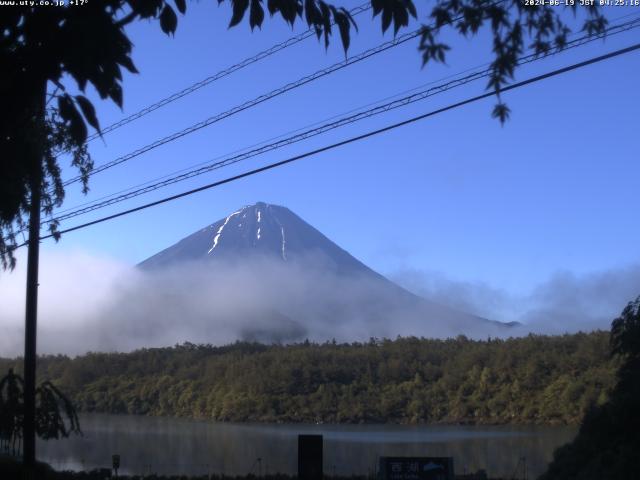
[(436, 423)]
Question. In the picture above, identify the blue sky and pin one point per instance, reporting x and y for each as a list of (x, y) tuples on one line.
[(555, 189)]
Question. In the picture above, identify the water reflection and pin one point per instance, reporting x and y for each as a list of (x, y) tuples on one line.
[(179, 446)]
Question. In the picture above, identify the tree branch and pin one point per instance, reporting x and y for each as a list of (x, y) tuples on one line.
[(126, 20)]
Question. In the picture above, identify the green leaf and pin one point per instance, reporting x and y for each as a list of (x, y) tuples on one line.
[(400, 18), (168, 20), (53, 229), (69, 113), (127, 63), (441, 16), (65, 107), (181, 5), (88, 111), (289, 9), (440, 51), (343, 26), (377, 6), (273, 6), (326, 22), (411, 8), (239, 7), (502, 112), (386, 19), (115, 93), (351, 20), (312, 14), (256, 15)]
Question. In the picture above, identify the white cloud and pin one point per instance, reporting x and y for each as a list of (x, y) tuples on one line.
[(564, 303), (90, 302)]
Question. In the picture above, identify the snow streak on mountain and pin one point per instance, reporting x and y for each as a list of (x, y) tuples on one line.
[(307, 285), (260, 229)]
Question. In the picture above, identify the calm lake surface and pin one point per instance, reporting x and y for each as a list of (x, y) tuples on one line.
[(179, 446)]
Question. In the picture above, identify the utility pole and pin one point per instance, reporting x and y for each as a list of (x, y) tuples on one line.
[(31, 325), (31, 310)]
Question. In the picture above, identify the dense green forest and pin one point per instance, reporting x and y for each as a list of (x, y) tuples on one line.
[(534, 379)]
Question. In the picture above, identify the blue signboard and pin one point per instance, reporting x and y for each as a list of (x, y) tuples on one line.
[(416, 468)]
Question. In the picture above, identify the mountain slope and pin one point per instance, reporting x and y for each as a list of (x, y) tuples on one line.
[(305, 280), (261, 229)]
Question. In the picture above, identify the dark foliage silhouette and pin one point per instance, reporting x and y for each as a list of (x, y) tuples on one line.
[(608, 442), (56, 416), (11, 412)]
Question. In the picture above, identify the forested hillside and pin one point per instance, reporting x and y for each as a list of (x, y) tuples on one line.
[(535, 379)]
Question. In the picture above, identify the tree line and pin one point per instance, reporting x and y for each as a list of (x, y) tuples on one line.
[(529, 380)]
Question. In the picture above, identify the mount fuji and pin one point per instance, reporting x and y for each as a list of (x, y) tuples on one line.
[(261, 229), (308, 286)]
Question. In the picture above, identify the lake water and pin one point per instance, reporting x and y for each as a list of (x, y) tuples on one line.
[(180, 446)]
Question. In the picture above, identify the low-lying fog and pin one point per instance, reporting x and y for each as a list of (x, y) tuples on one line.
[(93, 303)]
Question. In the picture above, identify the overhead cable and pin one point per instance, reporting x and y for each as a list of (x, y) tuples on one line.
[(350, 140), (252, 103), (303, 135), (219, 75)]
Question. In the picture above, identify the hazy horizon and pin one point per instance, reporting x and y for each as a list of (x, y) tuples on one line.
[(91, 302)]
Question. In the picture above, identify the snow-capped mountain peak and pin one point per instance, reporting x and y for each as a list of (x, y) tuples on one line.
[(259, 229)]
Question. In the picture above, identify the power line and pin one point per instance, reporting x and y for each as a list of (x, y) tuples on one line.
[(607, 32), (262, 98), (221, 74), (257, 144), (174, 178), (303, 135), (292, 85), (252, 103), (371, 133), (610, 31)]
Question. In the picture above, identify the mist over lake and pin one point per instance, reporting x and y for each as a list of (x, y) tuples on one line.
[(179, 446)]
